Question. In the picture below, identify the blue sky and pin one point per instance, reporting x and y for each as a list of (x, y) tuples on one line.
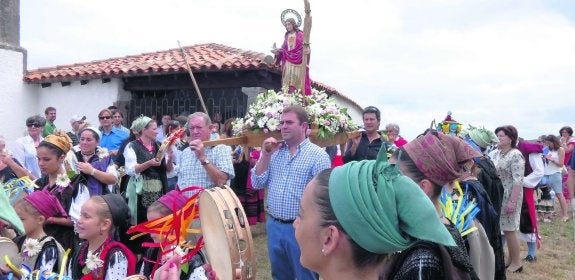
[(489, 62)]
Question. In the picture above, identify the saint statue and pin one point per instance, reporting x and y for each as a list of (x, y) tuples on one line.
[(295, 69)]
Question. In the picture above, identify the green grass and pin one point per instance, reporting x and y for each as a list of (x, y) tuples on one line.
[(556, 257)]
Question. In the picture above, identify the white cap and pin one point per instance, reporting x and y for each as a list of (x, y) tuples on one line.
[(76, 118)]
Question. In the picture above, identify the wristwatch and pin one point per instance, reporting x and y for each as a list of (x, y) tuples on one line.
[(205, 162)]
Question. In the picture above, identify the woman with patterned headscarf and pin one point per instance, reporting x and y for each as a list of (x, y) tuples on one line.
[(51, 158), (352, 217), (435, 160)]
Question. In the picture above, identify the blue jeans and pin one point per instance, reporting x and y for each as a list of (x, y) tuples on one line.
[(284, 252), (532, 249)]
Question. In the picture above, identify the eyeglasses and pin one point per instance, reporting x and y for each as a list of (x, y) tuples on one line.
[(33, 125), (105, 117)]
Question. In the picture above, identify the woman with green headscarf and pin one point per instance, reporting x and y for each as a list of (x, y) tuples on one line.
[(148, 175), (354, 216)]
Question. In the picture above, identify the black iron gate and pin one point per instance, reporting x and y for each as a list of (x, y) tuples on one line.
[(229, 102)]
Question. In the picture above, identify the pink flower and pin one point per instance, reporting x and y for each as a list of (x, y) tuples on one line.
[(266, 130), (326, 123)]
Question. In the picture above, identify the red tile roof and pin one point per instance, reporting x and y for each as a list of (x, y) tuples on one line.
[(202, 58)]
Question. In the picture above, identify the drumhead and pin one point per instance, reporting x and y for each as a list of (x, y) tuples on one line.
[(215, 236), (10, 249)]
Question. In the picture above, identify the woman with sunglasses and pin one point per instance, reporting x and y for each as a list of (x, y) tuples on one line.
[(24, 149)]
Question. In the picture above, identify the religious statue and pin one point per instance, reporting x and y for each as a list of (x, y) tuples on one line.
[(293, 56)]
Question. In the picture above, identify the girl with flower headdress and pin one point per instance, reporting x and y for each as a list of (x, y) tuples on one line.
[(39, 251), (101, 256), (94, 163), (64, 186)]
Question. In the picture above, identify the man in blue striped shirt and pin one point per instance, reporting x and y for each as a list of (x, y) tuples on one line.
[(286, 168)]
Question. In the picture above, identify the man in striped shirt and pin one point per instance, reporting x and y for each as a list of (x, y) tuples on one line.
[(286, 168)]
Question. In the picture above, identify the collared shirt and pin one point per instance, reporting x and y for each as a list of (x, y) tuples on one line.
[(160, 136), (24, 151), (287, 177), (365, 149), (123, 128), (191, 172), (113, 140), (49, 128)]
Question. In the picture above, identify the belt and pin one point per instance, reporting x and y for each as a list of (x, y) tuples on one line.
[(282, 221)]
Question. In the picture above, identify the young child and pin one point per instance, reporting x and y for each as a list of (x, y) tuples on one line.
[(153, 258), (39, 252), (101, 256)]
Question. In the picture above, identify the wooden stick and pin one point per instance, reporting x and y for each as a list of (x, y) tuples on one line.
[(193, 79), (306, 35)]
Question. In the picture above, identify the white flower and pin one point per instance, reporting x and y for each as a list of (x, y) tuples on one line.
[(62, 180), (102, 153), (31, 247), (93, 262), (273, 124)]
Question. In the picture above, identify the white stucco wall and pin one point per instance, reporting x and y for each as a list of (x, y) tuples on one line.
[(17, 102), (353, 112), (77, 99)]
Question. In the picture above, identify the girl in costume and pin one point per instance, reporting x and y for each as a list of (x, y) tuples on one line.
[(39, 252), (51, 157), (94, 163), (101, 256), (353, 216), (156, 256)]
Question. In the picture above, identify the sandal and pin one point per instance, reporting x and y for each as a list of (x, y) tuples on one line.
[(565, 219)]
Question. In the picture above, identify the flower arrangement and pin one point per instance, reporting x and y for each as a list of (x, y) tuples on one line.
[(93, 263), (324, 114)]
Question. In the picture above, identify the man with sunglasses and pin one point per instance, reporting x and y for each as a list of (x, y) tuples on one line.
[(112, 137), (366, 145)]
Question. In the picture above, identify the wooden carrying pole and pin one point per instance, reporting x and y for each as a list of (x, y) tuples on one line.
[(306, 35), (193, 79)]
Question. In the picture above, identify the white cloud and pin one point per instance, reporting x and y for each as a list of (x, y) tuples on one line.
[(490, 62)]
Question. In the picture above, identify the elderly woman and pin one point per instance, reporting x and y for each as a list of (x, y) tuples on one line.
[(95, 163), (354, 216), (24, 149), (148, 174), (392, 131), (510, 166)]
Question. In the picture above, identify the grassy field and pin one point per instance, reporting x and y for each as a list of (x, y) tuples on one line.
[(556, 257)]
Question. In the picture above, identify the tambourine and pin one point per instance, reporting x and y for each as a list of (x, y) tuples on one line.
[(9, 255), (227, 236)]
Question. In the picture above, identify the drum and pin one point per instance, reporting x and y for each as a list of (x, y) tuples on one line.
[(9, 249), (227, 236)]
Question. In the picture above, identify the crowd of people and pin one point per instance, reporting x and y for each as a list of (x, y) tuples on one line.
[(441, 206)]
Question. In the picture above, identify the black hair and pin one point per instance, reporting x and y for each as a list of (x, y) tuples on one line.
[(568, 129), (362, 258), (374, 110), (511, 132)]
